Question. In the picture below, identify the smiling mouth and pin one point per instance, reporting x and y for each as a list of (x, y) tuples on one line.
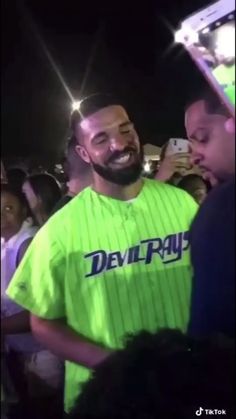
[(123, 159)]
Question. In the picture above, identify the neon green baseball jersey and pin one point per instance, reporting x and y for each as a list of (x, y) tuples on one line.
[(111, 268), (225, 75)]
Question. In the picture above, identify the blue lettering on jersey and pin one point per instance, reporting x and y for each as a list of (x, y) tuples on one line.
[(170, 249)]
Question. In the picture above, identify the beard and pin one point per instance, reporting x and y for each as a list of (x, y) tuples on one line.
[(124, 176)]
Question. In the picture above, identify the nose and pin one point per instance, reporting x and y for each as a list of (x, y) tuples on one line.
[(118, 142), (195, 160), (195, 156)]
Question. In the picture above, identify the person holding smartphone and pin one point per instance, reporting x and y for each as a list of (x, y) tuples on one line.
[(174, 162)]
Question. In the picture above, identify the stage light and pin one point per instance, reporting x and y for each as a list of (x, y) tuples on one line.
[(147, 167), (76, 105)]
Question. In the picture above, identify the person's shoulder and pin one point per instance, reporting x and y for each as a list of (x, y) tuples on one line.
[(226, 189), (218, 209), (154, 184), (62, 220), (168, 190), (179, 200), (73, 204), (221, 197), (64, 200)]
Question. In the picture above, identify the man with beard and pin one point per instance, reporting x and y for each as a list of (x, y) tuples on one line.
[(114, 260)]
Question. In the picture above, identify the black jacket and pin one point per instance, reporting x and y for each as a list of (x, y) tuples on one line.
[(212, 240)]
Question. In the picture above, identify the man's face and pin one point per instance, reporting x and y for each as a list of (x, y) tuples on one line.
[(110, 144), (212, 147)]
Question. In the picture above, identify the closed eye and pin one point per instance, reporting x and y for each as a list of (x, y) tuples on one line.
[(126, 128), (128, 131), (203, 140), (100, 139), (198, 139), (201, 135)]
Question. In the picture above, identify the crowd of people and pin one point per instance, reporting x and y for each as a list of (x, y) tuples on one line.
[(118, 294)]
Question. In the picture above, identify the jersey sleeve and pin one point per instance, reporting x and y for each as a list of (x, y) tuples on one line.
[(38, 283)]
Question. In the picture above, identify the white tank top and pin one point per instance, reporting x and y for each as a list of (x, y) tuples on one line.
[(9, 254)]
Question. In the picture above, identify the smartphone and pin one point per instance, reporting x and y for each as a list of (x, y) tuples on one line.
[(177, 145), (209, 38)]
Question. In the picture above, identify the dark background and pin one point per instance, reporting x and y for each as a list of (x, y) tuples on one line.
[(123, 48)]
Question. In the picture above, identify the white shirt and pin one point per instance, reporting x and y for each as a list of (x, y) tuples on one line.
[(9, 254)]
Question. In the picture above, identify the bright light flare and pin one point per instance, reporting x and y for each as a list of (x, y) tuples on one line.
[(75, 106), (147, 167), (186, 36), (179, 37), (205, 31)]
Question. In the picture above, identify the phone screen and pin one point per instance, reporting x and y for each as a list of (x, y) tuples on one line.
[(213, 49), (217, 48)]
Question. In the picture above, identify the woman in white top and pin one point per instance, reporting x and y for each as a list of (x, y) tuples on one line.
[(17, 231)]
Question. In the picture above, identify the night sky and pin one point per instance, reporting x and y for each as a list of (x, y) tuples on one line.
[(125, 51)]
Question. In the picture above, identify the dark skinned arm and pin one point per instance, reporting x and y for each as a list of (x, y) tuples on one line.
[(67, 344)]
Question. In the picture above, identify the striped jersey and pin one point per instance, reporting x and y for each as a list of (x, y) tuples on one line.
[(110, 268)]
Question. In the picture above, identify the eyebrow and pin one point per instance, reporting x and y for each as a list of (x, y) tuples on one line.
[(101, 133), (125, 124)]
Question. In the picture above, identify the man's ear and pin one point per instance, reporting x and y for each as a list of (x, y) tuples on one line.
[(82, 153)]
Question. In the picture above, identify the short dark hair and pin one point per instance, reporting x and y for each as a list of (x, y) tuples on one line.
[(163, 375), (73, 164), (47, 188), (212, 102), (91, 105)]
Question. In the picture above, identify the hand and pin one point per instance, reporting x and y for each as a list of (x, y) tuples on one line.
[(176, 163), (101, 355)]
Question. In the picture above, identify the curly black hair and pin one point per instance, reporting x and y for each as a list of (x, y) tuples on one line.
[(166, 375)]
